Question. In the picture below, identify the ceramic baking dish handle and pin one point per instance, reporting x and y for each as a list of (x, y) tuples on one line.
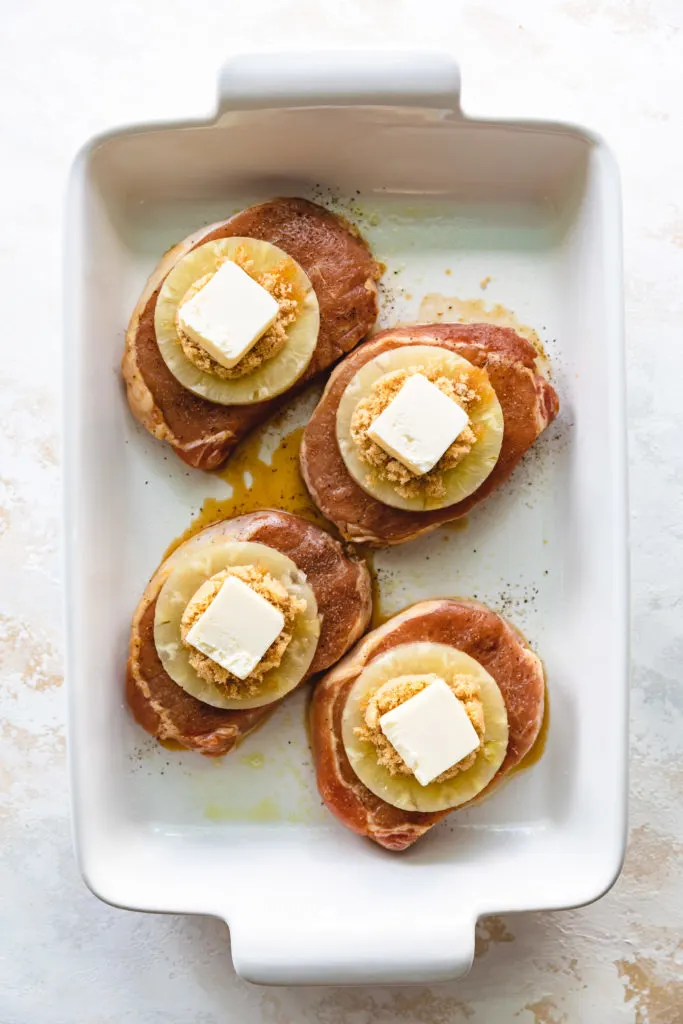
[(260, 81), (309, 947)]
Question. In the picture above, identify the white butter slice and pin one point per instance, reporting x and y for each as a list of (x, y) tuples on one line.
[(228, 315), (431, 731), (418, 425), (237, 628)]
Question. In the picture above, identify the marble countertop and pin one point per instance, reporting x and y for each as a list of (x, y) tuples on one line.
[(71, 69)]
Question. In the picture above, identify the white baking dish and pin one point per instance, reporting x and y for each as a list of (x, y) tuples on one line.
[(534, 206)]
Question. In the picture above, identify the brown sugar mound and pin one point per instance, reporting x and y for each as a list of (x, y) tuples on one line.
[(400, 690), (278, 285), (405, 482), (276, 594)]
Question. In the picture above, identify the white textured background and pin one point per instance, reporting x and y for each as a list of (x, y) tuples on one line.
[(69, 69)]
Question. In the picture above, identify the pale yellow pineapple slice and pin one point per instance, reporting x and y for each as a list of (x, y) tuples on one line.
[(270, 378), (405, 791), (189, 568), (486, 419)]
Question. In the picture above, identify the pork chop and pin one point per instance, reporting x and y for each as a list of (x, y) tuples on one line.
[(467, 625), (528, 401), (340, 582), (343, 273)]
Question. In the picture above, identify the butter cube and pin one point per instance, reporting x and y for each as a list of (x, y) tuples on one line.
[(228, 315), (237, 628), (418, 425), (431, 731)]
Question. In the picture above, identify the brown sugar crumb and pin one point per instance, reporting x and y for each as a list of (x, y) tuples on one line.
[(405, 482), (281, 287), (267, 587), (398, 691)]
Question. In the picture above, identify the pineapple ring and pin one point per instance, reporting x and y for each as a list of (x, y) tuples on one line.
[(405, 791), (486, 420), (187, 574), (272, 377)]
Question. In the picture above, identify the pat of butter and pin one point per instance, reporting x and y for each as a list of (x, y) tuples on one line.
[(431, 731), (228, 315), (237, 628), (418, 425)]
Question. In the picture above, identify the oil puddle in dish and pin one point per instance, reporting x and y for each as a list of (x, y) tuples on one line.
[(455, 526), (449, 309), (379, 615), (534, 755), (273, 783), (265, 810), (387, 579), (258, 483), (262, 472), (300, 805), (171, 745), (255, 760)]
